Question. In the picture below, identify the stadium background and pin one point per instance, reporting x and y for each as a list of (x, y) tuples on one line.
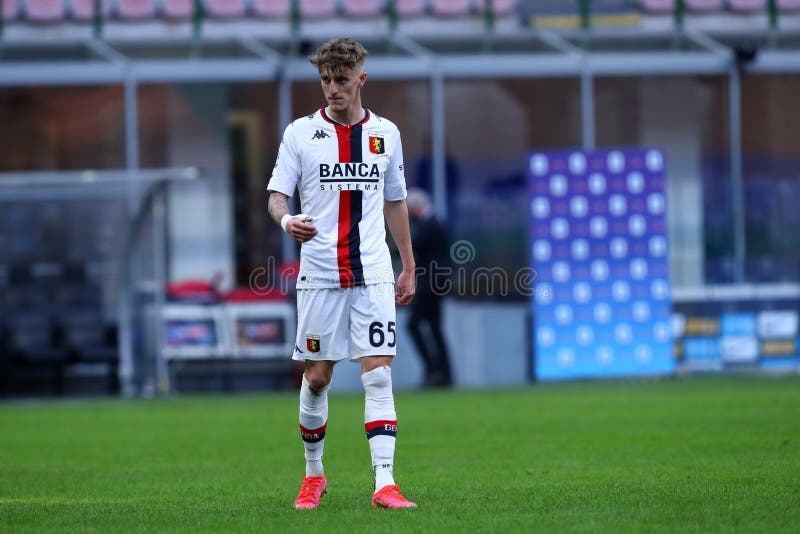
[(138, 138), (136, 260)]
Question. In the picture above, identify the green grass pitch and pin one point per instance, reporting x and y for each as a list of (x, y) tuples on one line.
[(686, 455)]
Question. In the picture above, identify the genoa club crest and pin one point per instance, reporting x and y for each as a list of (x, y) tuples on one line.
[(312, 343), (376, 144)]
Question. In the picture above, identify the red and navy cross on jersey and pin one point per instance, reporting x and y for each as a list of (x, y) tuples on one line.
[(343, 173)]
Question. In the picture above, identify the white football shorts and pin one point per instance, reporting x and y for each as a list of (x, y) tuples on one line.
[(339, 323)]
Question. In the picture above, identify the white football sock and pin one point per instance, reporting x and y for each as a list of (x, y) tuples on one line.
[(380, 423), (313, 422)]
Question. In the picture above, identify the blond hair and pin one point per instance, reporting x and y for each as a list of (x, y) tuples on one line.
[(342, 52)]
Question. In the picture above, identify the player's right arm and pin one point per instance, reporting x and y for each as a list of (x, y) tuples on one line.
[(295, 225), (281, 186)]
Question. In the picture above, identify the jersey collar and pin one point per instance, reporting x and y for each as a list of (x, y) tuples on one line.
[(330, 120)]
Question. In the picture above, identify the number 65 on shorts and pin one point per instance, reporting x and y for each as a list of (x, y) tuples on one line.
[(339, 323)]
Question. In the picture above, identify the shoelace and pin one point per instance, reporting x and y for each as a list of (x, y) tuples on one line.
[(394, 491), (308, 487)]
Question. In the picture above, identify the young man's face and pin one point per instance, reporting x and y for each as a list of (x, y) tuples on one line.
[(342, 87)]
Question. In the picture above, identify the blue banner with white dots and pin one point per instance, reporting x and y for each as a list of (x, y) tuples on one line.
[(601, 305)]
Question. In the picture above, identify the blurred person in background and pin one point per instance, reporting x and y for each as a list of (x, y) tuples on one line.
[(422, 176), (430, 238), (347, 163)]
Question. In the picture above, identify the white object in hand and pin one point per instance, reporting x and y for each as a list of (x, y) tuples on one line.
[(300, 216)]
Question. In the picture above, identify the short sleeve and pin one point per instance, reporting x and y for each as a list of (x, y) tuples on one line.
[(287, 170), (395, 183)]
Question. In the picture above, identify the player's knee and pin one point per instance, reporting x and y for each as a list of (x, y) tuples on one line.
[(317, 381)]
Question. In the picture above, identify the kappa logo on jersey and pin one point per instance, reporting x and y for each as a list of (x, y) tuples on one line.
[(376, 144), (312, 343), (320, 134)]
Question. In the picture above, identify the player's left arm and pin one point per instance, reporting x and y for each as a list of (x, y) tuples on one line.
[(396, 213)]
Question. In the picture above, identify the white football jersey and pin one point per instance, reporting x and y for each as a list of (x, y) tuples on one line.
[(343, 173)]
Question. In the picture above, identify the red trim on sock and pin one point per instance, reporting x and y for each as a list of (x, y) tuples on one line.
[(372, 425), (320, 430), (313, 435)]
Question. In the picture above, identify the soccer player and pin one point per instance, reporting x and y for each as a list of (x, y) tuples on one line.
[(347, 163)]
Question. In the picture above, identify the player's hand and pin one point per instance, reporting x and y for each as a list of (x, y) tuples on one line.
[(300, 229), (405, 289)]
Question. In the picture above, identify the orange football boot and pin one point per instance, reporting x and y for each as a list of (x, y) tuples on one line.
[(390, 497), (311, 491)]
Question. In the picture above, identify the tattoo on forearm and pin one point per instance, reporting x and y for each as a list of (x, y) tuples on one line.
[(277, 206)]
